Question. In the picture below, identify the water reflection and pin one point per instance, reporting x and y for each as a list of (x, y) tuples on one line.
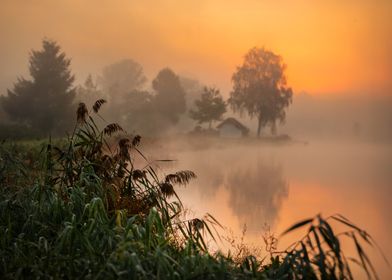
[(253, 183), (210, 174), (256, 193), (243, 183)]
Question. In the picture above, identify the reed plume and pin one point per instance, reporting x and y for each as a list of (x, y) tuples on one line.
[(112, 128), (81, 113), (97, 105)]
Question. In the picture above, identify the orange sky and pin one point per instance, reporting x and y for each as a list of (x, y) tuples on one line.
[(330, 46)]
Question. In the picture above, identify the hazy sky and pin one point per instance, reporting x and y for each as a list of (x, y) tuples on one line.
[(330, 46)]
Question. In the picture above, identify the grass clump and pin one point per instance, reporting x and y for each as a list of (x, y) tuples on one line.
[(80, 209)]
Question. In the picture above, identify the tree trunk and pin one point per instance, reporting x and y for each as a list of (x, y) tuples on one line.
[(273, 128), (259, 126)]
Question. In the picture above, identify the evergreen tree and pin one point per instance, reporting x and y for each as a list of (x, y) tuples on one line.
[(45, 102)]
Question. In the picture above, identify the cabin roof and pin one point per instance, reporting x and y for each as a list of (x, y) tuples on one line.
[(235, 123)]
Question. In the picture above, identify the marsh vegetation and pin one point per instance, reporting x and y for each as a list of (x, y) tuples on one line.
[(80, 208)]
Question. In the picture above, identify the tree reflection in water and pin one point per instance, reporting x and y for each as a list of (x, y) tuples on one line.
[(254, 182), (256, 193)]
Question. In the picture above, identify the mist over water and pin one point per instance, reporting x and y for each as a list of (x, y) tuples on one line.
[(270, 185)]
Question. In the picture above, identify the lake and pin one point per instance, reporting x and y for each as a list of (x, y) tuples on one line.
[(270, 186)]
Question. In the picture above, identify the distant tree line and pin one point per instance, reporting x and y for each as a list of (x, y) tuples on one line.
[(45, 103)]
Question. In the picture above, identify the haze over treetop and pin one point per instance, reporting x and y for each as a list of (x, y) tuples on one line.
[(329, 46)]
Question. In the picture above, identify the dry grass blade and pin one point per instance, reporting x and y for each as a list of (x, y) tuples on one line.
[(366, 263), (297, 225), (97, 105), (365, 236)]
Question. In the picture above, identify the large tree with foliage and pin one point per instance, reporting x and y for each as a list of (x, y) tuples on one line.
[(260, 88), (45, 102), (170, 95), (120, 78), (89, 92), (210, 107), (117, 81)]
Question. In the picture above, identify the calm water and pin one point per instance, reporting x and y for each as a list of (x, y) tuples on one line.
[(273, 186)]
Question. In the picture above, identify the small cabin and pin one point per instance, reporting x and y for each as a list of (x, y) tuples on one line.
[(231, 128)]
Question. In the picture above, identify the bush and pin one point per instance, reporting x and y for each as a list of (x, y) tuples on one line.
[(17, 132)]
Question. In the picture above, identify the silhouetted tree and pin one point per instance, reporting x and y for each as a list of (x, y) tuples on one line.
[(46, 101), (120, 78), (117, 81), (3, 115), (210, 107), (140, 113), (193, 89), (89, 92), (260, 88), (153, 113), (170, 95)]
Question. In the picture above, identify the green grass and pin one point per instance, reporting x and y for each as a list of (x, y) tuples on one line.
[(79, 209)]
